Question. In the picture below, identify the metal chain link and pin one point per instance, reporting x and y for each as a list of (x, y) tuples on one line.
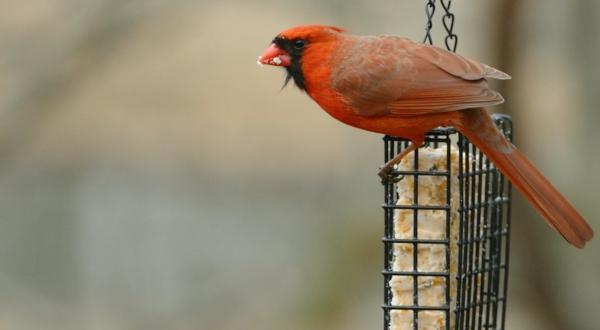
[(429, 11), (451, 39)]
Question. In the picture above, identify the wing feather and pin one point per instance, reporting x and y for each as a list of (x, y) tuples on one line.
[(457, 65), (397, 77)]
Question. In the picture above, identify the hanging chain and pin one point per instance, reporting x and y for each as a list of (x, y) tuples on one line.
[(429, 11), (451, 39)]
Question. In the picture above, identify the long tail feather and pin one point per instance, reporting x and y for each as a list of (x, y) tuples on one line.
[(478, 126)]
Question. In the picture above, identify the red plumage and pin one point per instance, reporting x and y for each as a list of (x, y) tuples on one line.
[(397, 87)]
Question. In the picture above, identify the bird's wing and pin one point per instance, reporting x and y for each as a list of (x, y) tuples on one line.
[(395, 76)]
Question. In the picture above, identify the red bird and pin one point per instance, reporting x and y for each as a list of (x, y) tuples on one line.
[(398, 87)]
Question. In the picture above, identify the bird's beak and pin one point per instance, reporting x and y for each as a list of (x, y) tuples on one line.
[(275, 56)]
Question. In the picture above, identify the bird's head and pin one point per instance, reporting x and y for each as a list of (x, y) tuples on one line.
[(287, 48)]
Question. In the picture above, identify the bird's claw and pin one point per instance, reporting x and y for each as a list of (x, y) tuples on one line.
[(385, 173)]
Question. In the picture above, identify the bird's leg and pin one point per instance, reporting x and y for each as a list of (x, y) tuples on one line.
[(384, 172)]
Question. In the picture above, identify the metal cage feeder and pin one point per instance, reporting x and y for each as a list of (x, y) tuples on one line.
[(447, 226)]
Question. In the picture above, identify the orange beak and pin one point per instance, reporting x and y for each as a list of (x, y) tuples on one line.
[(275, 56)]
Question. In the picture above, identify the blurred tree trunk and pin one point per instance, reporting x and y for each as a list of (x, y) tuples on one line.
[(535, 261)]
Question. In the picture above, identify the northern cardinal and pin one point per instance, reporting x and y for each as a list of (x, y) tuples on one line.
[(398, 87)]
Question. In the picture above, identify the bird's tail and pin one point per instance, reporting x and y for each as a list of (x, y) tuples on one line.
[(478, 126)]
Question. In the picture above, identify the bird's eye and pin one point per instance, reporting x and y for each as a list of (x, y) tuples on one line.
[(299, 44)]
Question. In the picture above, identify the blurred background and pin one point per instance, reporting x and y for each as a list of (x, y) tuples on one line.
[(153, 177)]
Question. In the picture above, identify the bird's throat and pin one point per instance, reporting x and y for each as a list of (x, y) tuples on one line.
[(294, 71)]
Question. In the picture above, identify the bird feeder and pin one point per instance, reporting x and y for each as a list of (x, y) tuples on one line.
[(447, 229)]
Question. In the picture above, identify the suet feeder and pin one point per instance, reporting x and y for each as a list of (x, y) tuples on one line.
[(447, 228)]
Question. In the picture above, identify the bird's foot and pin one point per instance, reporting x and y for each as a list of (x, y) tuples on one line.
[(385, 173)]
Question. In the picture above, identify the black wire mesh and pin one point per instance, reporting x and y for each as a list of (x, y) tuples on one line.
[(475, 254)]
